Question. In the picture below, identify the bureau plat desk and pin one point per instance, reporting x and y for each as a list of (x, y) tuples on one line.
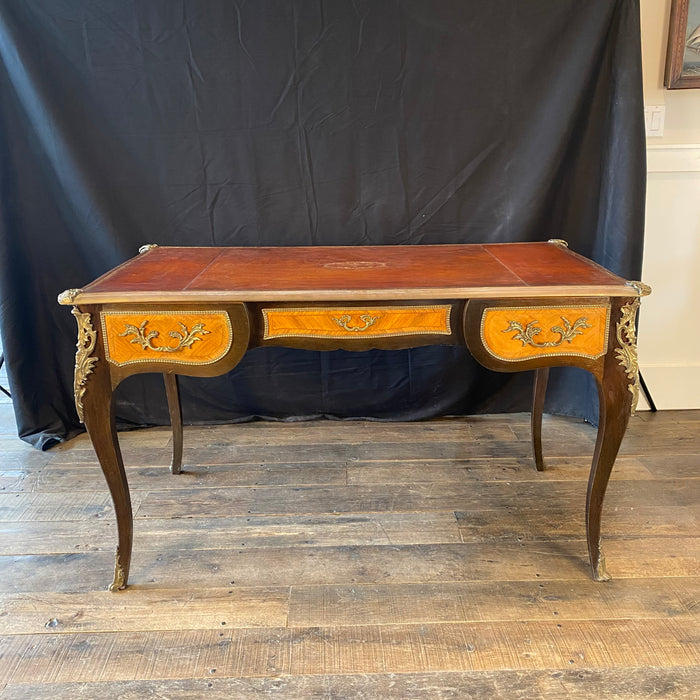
[(195, 311)]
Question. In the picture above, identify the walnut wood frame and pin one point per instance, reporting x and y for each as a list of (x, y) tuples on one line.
[(613, 363), (678, 26)]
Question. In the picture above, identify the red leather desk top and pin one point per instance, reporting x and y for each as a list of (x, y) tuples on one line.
[(353, 272)]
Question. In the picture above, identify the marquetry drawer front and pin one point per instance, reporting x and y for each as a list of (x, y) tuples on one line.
[(180, 337), (356, 322), (518, 333)]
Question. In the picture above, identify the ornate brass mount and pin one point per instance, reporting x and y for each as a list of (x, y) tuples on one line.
[(526, 334), (558, 241), (600, 573), (627, 352), (644, 290), (87, 337), (344, 322), (68, 297), (147, 247), (185, 338), (119, 582)]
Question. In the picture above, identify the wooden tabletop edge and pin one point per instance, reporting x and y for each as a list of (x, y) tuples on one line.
[(78, 297)]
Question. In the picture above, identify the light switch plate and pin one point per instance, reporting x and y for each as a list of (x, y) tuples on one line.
[(654, 120)]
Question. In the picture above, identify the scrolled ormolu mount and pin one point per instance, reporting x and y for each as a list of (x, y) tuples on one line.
[(527, 334), (184, 336), (84, 361), (626, 354)]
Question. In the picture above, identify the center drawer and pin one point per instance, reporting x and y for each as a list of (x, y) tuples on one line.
[(356, 321)]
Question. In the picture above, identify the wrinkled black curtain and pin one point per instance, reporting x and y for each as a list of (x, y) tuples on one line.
[(300, 122)]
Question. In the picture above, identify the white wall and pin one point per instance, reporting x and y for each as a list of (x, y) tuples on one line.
[(669, 331)]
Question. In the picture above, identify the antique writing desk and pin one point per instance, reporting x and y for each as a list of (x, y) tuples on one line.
[(195, 311)]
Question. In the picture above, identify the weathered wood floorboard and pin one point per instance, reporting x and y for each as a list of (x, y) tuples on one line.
[(366, 498), (250, 652), (630, 683), (319, 530), (348, 529), (397, 564), (145, 609)]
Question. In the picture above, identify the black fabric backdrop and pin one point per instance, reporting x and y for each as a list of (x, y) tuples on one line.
[(295, 122)]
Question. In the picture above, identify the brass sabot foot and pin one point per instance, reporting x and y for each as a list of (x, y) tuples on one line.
[(119, 583), (599, 572)]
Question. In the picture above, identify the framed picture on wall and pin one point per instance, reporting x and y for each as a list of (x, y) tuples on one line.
[(683, 55)]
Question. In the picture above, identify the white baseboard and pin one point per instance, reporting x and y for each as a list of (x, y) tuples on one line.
[(672, 386), (673, 158)]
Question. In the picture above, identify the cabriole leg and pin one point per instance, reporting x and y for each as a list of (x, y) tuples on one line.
[(95, 405), (172, 392), (618, 392), (540, 389), (99, 420)]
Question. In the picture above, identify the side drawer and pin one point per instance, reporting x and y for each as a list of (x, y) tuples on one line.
[(356, 321), (521, 332), (179, 337)]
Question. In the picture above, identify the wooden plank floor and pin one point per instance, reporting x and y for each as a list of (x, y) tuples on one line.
[(354, 560)]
